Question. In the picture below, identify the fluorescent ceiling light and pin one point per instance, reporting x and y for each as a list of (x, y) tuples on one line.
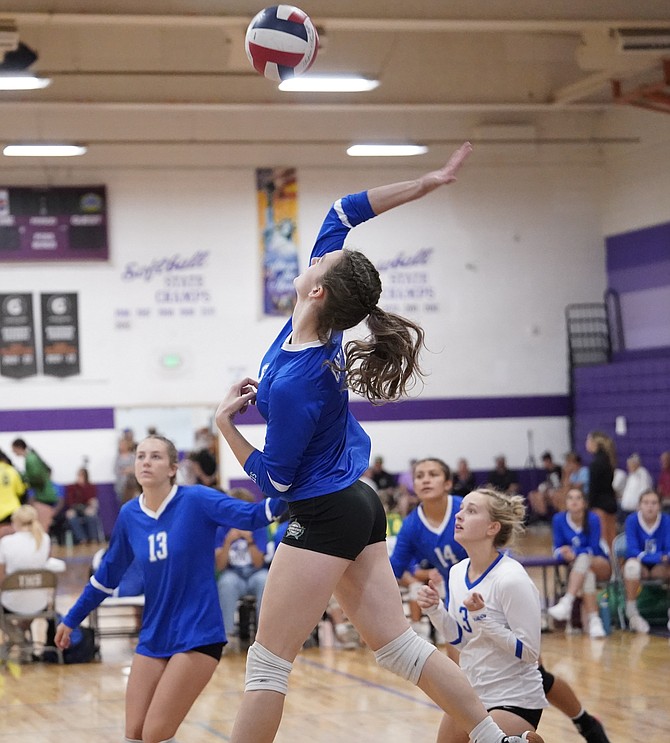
[(23, 82), (328, 84), (43, 150), (386, 150)]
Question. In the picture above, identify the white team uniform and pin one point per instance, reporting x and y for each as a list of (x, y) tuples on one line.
[(499, 644)]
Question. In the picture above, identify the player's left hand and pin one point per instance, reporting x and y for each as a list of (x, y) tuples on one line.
[(239, 397)]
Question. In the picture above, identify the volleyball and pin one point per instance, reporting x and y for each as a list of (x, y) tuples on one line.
[(281, 42)]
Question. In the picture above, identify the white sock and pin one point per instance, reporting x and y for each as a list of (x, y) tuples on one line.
[(631, 609), (486, 732)]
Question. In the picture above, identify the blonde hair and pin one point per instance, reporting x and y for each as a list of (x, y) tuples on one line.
[(26, 516), (605, 443), (509, 511)]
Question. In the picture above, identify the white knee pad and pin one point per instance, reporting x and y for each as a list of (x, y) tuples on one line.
[(406, 655), (589, 582), (632, 569), (266, 671), (582, 563)]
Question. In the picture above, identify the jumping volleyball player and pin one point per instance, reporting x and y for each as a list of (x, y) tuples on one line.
[(170, 530), (313, 456)]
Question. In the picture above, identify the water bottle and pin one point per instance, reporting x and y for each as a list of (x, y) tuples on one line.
[(605, 616)]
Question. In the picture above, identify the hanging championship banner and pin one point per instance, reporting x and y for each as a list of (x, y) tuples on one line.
[(53, 224), (17, 336), (277, 193), (60, 335)]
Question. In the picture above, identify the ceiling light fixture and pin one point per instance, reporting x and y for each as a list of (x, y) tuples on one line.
[(386, 150), (23, 82), (43, 149), (350, 84)]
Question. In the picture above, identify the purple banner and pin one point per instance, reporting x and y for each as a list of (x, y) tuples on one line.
[(53, 224), (17, 336), (60, 334)]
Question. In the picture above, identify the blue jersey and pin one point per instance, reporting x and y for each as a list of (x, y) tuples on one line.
[(313, 445), (175, 548), (648, 544), (567, 533), (417, 540)]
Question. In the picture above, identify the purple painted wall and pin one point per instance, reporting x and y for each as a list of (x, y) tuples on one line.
[(635, 388)]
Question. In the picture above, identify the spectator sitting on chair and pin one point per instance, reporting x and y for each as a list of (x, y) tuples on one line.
[(647, 553), (80, 503), (503, 479), (240, 562), (464, 481), (638, 481), (575, 475), (12, 490), (26, 549), (577, 543), (542, 499)]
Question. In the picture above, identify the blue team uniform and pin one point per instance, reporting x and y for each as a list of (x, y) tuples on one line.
[(649, 545), (417, 540), (175, 549), (566, 533), (313, 445)]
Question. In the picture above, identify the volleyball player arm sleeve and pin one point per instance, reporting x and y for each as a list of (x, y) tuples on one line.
[(345, 214), (520, 603), (232, 512), (295, 406), (107, 577)]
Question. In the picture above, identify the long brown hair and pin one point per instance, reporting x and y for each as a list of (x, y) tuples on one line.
[(384, 366)]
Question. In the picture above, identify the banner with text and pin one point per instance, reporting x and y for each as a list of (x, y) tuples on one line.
[(53, 224), (277, 192), (18, 358), (60, 335)]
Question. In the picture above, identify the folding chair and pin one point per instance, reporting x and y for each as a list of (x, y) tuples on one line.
[(12, 623)]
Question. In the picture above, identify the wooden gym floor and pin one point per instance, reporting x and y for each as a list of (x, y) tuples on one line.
[(336, 695)]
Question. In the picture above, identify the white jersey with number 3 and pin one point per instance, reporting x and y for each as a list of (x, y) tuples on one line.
[(499, 644)]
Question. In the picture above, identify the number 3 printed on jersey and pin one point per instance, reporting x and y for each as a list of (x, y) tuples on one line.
[(158, 549)]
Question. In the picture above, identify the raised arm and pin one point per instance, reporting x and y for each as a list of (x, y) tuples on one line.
[(383, 198)]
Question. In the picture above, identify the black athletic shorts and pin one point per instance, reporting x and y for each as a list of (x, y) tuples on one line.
[(341, 524), (215, 650), (531, 716)]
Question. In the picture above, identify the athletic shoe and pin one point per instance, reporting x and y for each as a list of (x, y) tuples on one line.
[(592, 730), (638, 624), (528, 736), (596, 628), (561, 611)]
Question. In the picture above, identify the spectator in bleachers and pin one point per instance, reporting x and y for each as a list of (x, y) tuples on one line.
[(242, 571), (542, 499), (205, 458), (12, 490), (577, 542), (125, 484), (80, 507), (663, 483), (502, 478), (406, 499), (638, 481), (384, 483), (37, 475), (464, 481), (602, 498), (647, 553)]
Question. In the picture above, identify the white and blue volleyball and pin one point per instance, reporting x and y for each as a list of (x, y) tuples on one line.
[(281, 42)]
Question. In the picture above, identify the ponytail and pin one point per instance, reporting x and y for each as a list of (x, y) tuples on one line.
[(384, 366)]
